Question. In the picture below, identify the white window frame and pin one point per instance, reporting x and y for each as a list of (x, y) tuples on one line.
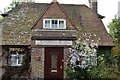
[(17, 60), (44, 27), (44, 23)]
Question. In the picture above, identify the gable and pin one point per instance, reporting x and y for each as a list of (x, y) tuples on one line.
[(54, 11)]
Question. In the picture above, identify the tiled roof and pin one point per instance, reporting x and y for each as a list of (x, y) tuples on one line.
[(17, 26), (55, 35)]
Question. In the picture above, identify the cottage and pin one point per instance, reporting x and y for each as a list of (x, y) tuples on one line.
[(36, 37)]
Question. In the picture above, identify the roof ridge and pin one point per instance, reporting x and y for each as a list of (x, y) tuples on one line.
[(57, 2)]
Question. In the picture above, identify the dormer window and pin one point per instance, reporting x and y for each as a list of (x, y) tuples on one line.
[(47, 23), (54, 23)]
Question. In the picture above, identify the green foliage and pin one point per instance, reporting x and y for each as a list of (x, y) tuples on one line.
[(12, 5), (114, 27), (77, 74), (15, 3), (1, 18), (104, 68)]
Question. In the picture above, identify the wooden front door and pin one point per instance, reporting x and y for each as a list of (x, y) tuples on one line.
[(53, 63)]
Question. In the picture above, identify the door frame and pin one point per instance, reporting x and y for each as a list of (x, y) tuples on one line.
[(62, 63)]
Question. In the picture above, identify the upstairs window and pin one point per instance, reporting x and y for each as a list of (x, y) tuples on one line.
[(61, 24), (54, 23), (47, 23)]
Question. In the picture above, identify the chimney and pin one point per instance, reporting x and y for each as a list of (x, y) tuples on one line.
[(119, 9), (54, 1), (93, 5)]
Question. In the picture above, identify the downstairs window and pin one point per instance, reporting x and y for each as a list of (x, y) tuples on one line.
[(16, 57)]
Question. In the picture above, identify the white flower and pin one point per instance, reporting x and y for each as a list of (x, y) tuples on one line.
[(79, 39), (73, 60), (77, 42), (95, 35), (87, 39), (92, 40), (92, 45)]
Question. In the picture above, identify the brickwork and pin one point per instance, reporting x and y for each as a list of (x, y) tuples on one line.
[(66, 55), (3, 61), (55, 12), (37, 65)]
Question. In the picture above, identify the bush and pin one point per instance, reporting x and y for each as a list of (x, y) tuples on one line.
[(1, 18), (86, 62)]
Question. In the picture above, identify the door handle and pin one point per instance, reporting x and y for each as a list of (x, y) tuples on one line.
[(61, 67)]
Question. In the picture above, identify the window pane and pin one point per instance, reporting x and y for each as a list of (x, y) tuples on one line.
[(20, 52), (47, 23), (61, 24), (54, 24), (13, 60), (12, 52), (54, 61), (20, 59)]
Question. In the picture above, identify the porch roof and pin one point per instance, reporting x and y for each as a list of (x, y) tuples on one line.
[(55, 35)]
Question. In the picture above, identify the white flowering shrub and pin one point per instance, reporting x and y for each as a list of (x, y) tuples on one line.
[(83, 53), (86, 62)]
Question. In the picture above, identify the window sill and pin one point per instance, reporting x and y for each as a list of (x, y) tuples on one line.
[(54, 28), (14, 66)]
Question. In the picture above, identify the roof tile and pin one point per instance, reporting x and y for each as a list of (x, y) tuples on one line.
[(17, 26)]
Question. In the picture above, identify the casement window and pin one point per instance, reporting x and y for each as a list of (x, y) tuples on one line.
[(16, 58), (54, 23), (47, 24)]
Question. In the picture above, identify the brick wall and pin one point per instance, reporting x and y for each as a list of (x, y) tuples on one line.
[(66, 55), (3, 61), (54, 12), (37, 65)]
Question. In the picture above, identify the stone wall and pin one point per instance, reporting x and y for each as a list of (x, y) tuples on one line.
[(37, 62), (3, 61)]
